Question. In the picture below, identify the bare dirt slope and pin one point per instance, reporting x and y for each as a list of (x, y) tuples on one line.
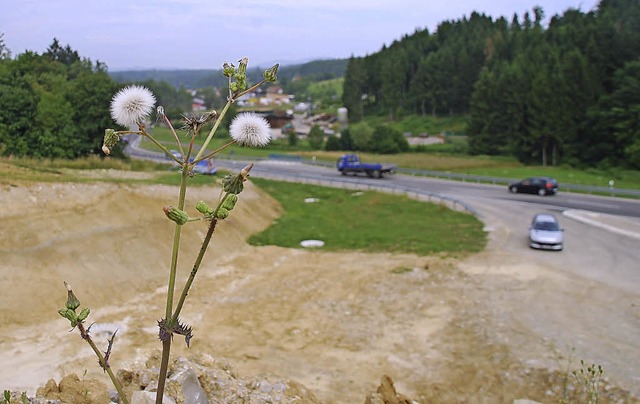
[(334, 322)]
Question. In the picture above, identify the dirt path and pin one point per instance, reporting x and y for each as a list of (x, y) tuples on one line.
[(333, 322)]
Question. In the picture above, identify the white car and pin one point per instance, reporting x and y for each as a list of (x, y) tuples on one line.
[(545, 232)]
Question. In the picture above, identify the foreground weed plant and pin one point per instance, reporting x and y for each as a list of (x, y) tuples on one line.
[(589, 378), (130, 108), (6, 398)]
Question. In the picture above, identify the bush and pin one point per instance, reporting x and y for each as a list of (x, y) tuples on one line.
[(316, 137), (333, 143), (386, 140)]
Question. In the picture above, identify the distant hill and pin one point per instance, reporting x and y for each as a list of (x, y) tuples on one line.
[(199, 78)]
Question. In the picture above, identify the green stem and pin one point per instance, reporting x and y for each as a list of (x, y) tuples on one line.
[(103, 363), (216, 151), (166, 345), (175, 135), (222, 114), (194, 271), (250, 89), (164, 367), (161, 146), (213, 130)]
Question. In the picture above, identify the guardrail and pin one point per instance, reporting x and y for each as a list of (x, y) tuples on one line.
[(588, 189)]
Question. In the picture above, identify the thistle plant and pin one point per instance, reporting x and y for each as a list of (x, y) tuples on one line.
[(589, 378), (130, 107)]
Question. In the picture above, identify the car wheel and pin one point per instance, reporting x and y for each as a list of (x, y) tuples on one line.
[(542, 192), (513, 190)]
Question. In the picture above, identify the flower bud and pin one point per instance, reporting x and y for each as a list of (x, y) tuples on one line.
[(222, 213), (233, 184), (84, 313), (176, 215), (72, 301), (203, 208), (242, 69), (111, 138), (233, 87), (270, 74), (228, 69), (230, 201), (69, 315)]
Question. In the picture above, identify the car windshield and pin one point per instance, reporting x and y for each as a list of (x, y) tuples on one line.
[(548, 226)]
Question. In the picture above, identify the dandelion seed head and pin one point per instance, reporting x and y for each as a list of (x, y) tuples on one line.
[(249, 129), (131, 105)]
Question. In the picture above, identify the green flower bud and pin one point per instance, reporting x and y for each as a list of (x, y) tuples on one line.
[(230, 201), (233, 184), (84, 313), (222, 213), (72, 301), (111, 138), (203, 208), (228, 69), (176, 215), (270, 74), (69, 315), (242, 69), (242, 84), (233, 87)]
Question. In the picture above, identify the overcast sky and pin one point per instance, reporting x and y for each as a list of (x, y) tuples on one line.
[(202, 34)]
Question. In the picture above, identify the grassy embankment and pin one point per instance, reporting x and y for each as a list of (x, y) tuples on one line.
[(343, 219), (367, 221)]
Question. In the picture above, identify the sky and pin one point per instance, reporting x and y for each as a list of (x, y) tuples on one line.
[(203, 34)]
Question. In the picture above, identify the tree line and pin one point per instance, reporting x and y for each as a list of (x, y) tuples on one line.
[(53, 105), (565, 93), (56, 104)]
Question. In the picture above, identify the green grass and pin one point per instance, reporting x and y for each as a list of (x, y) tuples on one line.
[(13, 170), (367, 221), (622, 178), (417, 124)]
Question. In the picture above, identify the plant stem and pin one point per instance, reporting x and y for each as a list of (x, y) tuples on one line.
[(218, 150), (175, 135), (161, 146), (166, 344), (194, 271), (103, 363), (212, 131)]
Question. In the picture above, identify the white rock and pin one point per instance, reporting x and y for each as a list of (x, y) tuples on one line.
[(148, 397)]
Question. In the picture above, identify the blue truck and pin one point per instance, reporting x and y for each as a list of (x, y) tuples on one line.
[(351, 164)]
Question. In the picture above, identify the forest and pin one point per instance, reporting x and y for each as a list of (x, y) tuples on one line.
[(54, 105), (565, 93)]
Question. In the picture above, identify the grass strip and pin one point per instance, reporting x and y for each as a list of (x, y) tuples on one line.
[(367, 221)]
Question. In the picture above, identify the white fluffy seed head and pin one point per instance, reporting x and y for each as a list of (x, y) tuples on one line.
[(131, 105), (249, 129)]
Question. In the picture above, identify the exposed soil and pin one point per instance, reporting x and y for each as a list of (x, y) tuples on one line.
[(333, 322)]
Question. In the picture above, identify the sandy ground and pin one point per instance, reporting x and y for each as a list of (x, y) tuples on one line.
[(335, 322)]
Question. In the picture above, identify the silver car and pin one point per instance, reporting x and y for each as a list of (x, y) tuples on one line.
[(545, 232)]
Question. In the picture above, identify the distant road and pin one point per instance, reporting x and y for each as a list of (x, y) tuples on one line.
[(467, 192)]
